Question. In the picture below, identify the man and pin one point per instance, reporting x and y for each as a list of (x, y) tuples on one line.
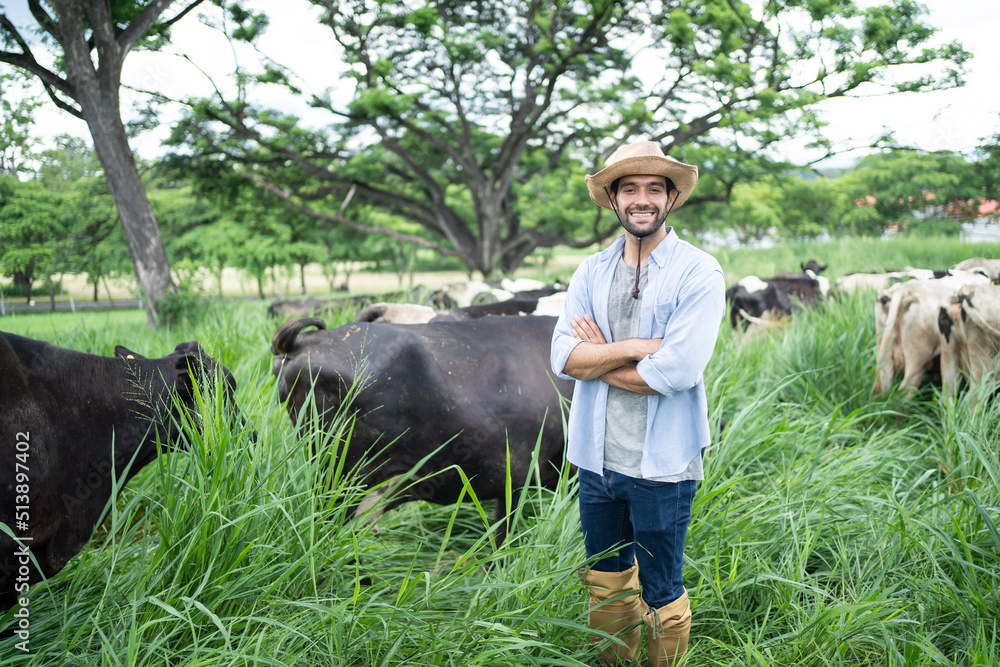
[(637, 331)]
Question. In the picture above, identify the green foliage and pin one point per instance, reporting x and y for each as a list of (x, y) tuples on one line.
[(72, 160), (752, 211), (17, 106), (184, 306), (33, 241), (987, 169), (902, 185)]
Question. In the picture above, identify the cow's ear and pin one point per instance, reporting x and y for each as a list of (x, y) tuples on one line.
[(192, 347), (197, 365), (10, 368), (191, 363), (123, 352)]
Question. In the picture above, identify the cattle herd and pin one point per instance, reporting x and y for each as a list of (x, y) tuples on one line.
[(924, 319), (456, 387)]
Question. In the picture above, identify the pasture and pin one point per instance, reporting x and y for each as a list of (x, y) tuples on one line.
[(831, 529)]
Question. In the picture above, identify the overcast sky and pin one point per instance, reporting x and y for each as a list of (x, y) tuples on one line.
[(947, 120)]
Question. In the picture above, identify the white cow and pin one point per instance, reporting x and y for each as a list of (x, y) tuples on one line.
[(397, 313), (906, 326), (988, 267), (466, 294), (853, 282), (970, 335)]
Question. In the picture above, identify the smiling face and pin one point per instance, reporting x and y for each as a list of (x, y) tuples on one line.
[(643, 202)]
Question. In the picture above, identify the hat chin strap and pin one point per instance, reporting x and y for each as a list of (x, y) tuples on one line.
[(638, 262)]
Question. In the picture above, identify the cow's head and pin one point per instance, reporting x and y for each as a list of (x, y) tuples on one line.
[(164, 387)]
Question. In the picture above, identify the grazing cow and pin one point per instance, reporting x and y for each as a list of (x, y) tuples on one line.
[(988, 267), (458, 394), (970, 335), (74, 427), (476, 293), (849, 283), (397, 313), (813, 267), (752, 299), (523, 303), (906, 326), (311, 306), (462, 295)]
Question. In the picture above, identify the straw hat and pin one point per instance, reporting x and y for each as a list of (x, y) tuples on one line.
[(643, 158)]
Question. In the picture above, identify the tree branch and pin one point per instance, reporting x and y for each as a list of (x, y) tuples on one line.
[(141, 24), (184, 12), (351, 224), (46, 22)]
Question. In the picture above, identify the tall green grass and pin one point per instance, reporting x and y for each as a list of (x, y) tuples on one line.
[(832, 529)]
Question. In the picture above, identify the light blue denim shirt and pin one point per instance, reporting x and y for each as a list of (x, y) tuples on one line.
[(684, 302)]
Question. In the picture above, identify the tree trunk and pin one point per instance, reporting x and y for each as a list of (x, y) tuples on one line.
[(97, 93), (149, 256)]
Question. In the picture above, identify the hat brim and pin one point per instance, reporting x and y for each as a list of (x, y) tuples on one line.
[(684, 176)]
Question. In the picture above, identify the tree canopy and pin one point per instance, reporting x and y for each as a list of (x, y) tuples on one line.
[(476, 120)]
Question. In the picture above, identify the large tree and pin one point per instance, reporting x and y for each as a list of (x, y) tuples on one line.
[(463, 110), (90, 40)]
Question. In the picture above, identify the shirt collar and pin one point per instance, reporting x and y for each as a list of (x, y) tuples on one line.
[(659, 255)]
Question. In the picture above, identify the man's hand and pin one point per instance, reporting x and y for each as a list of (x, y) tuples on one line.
[(586, 329)]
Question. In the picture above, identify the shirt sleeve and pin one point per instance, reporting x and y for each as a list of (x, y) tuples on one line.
[(577, 302), (690, 335)]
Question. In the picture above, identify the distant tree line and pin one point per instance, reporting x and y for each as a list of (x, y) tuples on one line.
[(61, 218)]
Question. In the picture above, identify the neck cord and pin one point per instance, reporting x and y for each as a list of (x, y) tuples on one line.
[(638, 259)]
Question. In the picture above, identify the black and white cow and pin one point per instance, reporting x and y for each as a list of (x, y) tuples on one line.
[(753, 298), (458, 394), (74, 427)]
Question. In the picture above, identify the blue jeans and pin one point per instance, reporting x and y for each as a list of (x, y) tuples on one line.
[(619, 513)]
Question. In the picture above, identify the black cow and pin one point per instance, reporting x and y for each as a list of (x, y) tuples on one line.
[(313, 306), (72, 425), (812, 266), (755, 303), (479, 385), (523, 303), (777, 295)]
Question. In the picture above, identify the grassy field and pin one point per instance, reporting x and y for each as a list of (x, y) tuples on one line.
[(832, 528)]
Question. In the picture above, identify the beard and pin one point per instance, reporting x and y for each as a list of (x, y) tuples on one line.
[(644, 230)]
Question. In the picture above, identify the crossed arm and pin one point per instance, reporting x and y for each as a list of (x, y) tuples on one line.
[(614, 363)]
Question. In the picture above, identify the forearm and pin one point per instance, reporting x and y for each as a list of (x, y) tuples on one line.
[(627, 377), (593, 360)]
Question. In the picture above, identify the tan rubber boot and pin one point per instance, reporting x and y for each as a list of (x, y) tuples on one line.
[(668, 631), (620, 617)]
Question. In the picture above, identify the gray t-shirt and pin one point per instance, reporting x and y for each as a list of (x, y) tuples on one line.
[(625, 430)]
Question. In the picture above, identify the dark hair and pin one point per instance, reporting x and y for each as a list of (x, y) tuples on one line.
[(614, 185)]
